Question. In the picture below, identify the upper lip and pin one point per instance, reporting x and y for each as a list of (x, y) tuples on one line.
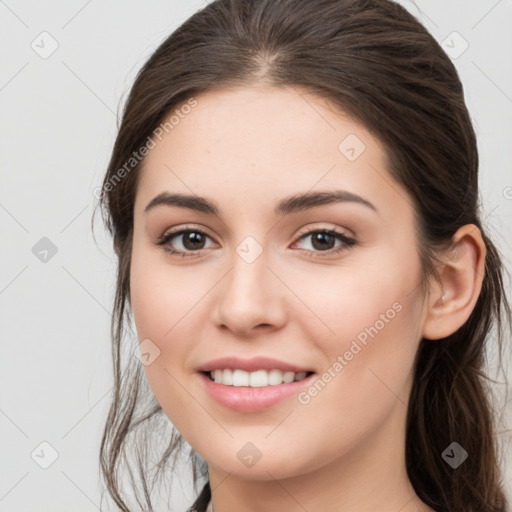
[(250, 365)]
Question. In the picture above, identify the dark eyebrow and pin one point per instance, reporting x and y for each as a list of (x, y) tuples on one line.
[(292, 204), (300, 202)]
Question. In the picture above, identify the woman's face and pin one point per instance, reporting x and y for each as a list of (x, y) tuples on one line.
[(265, 282)]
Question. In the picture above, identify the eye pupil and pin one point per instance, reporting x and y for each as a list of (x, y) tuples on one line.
[(193, 237), (322, 238)]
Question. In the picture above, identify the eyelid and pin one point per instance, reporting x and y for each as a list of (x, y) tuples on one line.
[(348, 241), (331, 227), (184, 227), (302, 231)]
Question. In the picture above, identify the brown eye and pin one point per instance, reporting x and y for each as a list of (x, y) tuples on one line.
[(323, 241), (192, 240)]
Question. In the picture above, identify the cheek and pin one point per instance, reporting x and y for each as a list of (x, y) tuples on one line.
[(163, 302), (167, 303), (370, 316), (163, 296), (369, 355), (345, 300)]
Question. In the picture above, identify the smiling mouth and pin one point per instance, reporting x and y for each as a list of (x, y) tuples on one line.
[(256, 379)]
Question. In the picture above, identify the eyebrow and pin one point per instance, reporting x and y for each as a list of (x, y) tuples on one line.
[(288, 205)]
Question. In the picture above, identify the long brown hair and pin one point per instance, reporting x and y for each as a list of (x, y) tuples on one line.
[(375, 61)]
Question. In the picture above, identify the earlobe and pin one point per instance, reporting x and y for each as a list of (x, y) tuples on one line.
[(451, 302)]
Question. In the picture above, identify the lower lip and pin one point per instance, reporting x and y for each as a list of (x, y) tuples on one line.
[(248, 399)]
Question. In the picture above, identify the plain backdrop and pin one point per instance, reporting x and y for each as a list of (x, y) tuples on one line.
[(59, 119)]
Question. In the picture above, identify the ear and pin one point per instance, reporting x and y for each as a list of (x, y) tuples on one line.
[(450, 303)]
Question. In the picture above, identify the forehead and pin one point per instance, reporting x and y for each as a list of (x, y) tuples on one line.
[(265, 143)]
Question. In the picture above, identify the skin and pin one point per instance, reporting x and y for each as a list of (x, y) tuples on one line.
[(245, 149)]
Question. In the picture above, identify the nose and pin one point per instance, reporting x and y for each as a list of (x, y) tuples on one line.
[(250, 298)]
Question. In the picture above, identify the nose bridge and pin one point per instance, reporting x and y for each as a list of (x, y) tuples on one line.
[(248, 296)]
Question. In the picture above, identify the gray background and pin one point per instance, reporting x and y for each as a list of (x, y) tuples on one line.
[(58, 127)]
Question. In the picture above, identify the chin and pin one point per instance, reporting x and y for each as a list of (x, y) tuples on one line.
[(264, 469)]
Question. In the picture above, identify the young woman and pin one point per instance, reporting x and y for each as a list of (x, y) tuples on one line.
[(293, 199)]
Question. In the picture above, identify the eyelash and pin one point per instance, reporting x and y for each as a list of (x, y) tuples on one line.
[(348, 243)]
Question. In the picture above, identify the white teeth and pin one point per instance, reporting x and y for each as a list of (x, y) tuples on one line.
[(257, 379), (227, 376), (288, 377), (275, 377), (240, 378)]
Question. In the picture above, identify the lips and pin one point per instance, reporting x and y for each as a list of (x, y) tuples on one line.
[(252, 365), (256, 396), (247, 399)]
